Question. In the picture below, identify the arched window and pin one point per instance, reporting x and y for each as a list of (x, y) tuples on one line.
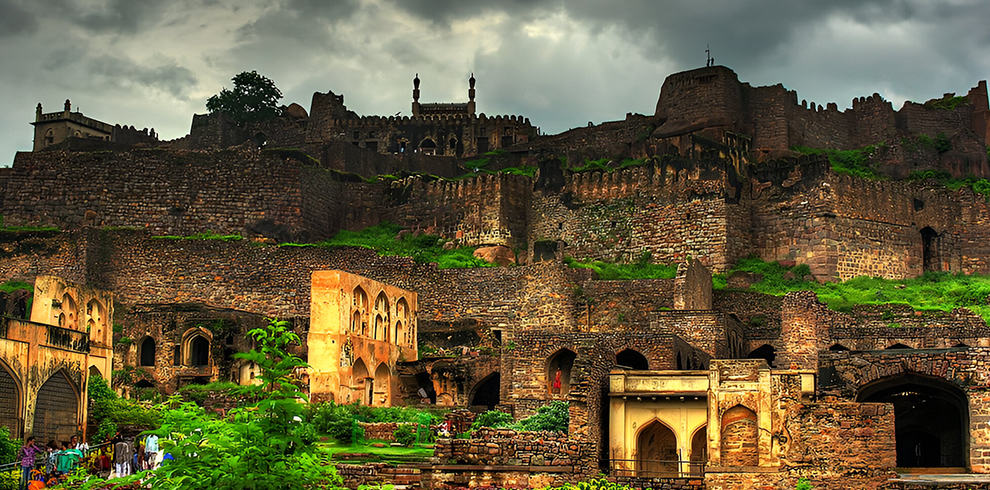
[(699, 451), (360, 298), (486, 392), (379, 323), (382, 395), (400, 334), (146, 352), (356, 321), (381, 303), (657, 450), (558, 373), (10, 399), (200, 351), (362, 384), (930, 250)]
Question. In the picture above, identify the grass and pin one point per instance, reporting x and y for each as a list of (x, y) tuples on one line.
[(934, 291), (602, 165), (382, 453), (205, 235), (641, 269), (26, 228), (855, 163), (979, 186), (383, 239), (949, 102)]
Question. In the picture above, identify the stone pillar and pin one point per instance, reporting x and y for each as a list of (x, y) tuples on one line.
[(693, 286)]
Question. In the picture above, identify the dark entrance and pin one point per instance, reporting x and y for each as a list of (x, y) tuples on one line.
[(487, 391), (631, 359), (765, 351), (932, 260), (147, 348), (200, 351), (10, 401), (931, 419), (57, 411)]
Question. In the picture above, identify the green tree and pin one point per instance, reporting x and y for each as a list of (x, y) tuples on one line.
[(262, 446), (254, 98)]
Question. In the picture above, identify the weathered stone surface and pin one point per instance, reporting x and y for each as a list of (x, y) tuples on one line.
[(498, 254)]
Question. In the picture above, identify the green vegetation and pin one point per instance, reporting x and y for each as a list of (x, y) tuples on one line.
[(554, 417), (26, 228), (599, 484), (940, 144), (948, 102), (109, 409), (384, 239), (803, 484), (979, 186), (850, 162), (8, 452), (340, 421), (14, 284), (602, 165), (641, 269), (198, 393), (205, 235), (254, 98), (386, 453), (934, 291)]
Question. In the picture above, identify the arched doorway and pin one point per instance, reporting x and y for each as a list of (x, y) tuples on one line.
[(428, 147), (362, 383), (558, 373), (146, 352), (837, 348), (382, 395), (699, 451), (765, 351), (199, 351), (656, 449), (931, 419), (56, 414), (10, 400), (631, 359), (486, 392), (740, 436)]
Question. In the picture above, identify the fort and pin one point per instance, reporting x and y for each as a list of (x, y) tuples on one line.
[(670, 384)]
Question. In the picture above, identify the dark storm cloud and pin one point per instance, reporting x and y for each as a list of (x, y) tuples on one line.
[(106, 16), (15, 20), (446, 12), (168, 77), (304, 20)]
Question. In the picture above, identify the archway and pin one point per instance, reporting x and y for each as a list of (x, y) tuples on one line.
[(10, 400), (356, 321), (428, 147), (632, 360), (360, 299), (656, 449), (382, 394), (362, 382), (898, 346), (837, 347), (400, 334), (740, 435), (931, 258), (699, 451), (558, 373), (71, 312), (931, 419), (765, 351), (486, 392), (56, 414), (199, 351), (146, 352)]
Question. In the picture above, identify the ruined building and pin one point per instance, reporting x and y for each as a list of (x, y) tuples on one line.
[(669, 382)]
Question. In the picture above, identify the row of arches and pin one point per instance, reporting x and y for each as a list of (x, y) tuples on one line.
[(56, 413), (193, 351), (371, 389), (401, 331), (658, 452)]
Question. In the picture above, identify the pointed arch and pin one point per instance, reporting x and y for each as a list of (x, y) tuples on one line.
[(56, 413), (765, 351), (196, 346), (699, 450), (361, 382), (487, 391), (71, 312), (146, 352), (632, 359), (558, 372), (837, 347), (360, 298), (400, 334), (11, 397), (376, 330), (898, 346), (656, 450), (740, 437)]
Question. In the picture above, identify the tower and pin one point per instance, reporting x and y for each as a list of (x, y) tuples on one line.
[(415, 104), (470, 104)]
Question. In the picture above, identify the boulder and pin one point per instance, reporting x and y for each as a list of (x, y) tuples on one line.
[(498, 254)]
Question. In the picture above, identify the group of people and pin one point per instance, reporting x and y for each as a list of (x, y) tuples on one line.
[(61, 458)]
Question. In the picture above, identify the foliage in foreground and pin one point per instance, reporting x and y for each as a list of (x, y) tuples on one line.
[(339, 421), (384, 239), (109, 410), (554, 417), (934, 291), (641, 269), (265, 445)]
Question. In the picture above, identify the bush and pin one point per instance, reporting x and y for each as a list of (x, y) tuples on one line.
[(492, 419), (641, 269), (554, 417), (405, 435), (335, 420)]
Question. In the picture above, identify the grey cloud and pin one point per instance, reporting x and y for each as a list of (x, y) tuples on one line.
[(106, 16), (446, 12), (123, 73), (15, 20)]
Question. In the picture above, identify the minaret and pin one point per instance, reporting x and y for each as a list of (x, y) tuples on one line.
[(415, 104), (68, 108), (470, 107), (37, 113)]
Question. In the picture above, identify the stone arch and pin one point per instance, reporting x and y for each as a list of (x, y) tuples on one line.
[(898, 346), (49, 137), (379, 325), (428, 146), (486, 392), (146, 352), (656, 450), (383, 391), (360, 298), (11, 397), (699, 450), (740, 437), (931, 256), (400, 334), (632, 359), (558, 372), (765, 351), (837, 347), (196, 347), (382, 303), (56, 413), (71, 312), (362, 382), (95, 371), (931, 418), (356, 321)]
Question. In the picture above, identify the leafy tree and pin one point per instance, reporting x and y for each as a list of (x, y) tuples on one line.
[(262, 446), (254, 98)]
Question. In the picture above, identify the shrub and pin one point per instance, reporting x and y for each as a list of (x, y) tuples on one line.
[(336, 421), (405, 435), (493, 419), (641, 269), (554, 417)]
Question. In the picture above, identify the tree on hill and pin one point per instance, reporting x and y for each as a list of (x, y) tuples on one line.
[(254, 98)]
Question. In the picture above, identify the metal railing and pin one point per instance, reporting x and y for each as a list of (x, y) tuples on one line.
[(653, 468)]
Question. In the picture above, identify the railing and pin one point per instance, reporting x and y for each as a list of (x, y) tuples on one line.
[(39, 460), (653, 468)]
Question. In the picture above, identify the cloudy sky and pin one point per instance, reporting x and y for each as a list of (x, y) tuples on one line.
[(560, 63)]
